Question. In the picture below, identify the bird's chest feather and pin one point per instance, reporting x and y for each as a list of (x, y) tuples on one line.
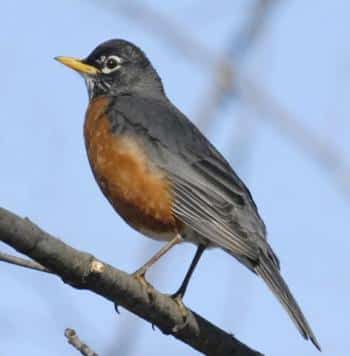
[(137, 190)]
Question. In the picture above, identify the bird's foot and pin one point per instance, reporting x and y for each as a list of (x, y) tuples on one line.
[(177, 298), (139, 275)]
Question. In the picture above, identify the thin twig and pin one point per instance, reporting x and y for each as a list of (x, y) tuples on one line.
[(222, 88), (251, 30), (159, 25), (322, 151), (23, 262), (74, 340), (83, 271)]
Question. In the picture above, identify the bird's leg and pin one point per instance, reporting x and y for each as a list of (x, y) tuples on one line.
[(180, 293), (140, 273), (178, 296)]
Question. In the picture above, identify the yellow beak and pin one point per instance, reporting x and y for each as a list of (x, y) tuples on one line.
[(78, 65)]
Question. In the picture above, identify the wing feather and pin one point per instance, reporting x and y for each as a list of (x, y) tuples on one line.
[(193, 206)]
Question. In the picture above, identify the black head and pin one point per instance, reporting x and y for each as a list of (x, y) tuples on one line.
[(117, 67)]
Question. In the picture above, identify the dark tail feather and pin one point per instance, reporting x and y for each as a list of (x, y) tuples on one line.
[(271, 275)]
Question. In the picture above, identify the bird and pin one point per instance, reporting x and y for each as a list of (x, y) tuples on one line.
[(163, 176)]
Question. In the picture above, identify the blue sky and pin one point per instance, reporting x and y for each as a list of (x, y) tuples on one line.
[(303, 62)]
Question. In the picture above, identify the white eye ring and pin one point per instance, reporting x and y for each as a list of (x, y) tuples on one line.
[(111, 64)]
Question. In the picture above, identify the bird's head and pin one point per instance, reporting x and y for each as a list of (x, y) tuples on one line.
[(116, 67)]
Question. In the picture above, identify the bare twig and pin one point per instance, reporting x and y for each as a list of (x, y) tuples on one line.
[(252, 29), (83, 271), (323, 152), (74, 340), (222, 88), (149, 18), (18, 261), (23, 262)]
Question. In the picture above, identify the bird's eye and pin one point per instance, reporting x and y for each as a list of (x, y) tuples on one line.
[(111, 64)]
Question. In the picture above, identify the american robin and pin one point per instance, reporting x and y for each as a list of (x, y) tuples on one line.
[(163, 176)]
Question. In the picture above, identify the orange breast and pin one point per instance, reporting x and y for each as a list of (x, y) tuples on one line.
[(139, 192)]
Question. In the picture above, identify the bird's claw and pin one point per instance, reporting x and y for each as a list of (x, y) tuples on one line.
[(177, 298), (139, 275)]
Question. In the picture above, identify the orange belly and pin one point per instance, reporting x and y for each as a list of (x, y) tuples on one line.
[(138, 192)]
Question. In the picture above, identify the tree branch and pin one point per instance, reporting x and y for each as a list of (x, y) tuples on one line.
[(83, 271)]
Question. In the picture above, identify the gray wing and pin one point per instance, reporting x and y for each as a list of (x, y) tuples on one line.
[(209, 196)]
